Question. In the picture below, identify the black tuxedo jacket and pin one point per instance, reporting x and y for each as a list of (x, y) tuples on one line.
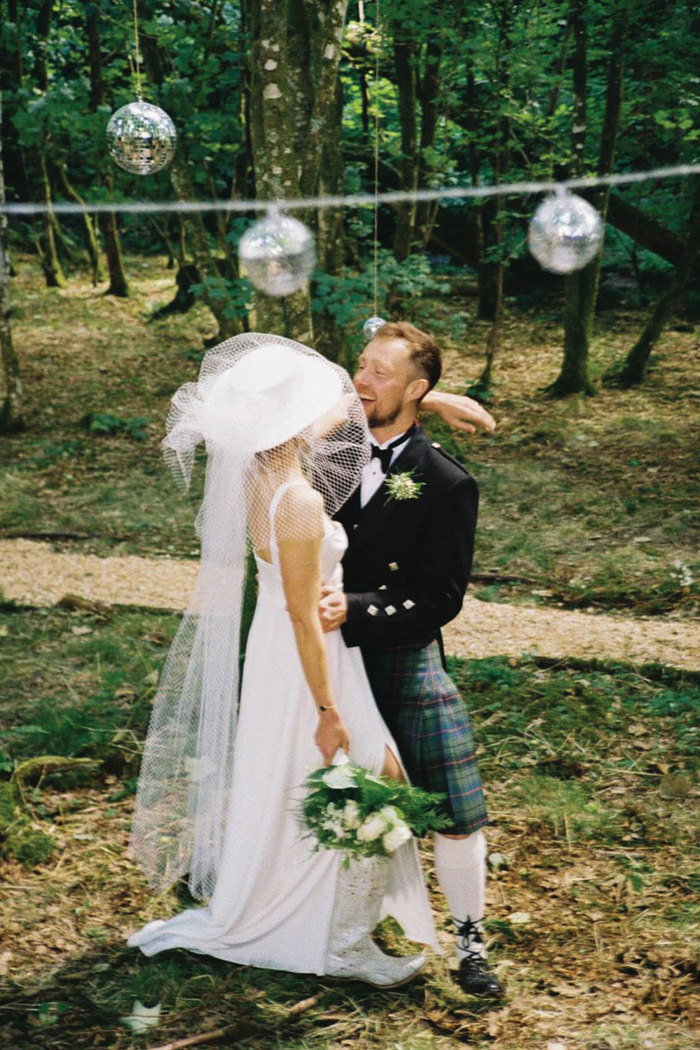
[(408, 561)]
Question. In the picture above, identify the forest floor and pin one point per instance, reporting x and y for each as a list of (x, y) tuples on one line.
[(577, 650)]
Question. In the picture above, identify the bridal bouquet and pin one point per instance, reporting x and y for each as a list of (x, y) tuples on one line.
[(348, 808)]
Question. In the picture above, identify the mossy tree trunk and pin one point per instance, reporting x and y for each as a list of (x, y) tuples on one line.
[(295, 56), (46, 244), (118, 284), (92, 243), (11, 416)]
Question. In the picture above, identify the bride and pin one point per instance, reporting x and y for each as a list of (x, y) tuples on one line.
[(286, 439)]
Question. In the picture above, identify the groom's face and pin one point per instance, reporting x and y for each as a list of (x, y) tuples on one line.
[(384, 373)]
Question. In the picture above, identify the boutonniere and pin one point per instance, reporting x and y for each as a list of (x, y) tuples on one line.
[(404, 486)]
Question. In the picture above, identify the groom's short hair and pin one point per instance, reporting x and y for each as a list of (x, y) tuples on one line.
[(424, 351)]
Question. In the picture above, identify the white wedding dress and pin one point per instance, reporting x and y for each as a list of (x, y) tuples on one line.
[(273, 900)]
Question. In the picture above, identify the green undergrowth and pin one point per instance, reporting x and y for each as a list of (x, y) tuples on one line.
[(589, 527), (566, 722), (77, 685)]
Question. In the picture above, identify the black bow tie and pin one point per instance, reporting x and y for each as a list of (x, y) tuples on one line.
[(385, 455)]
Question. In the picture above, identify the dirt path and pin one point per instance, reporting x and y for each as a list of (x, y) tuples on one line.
[(33, 573)]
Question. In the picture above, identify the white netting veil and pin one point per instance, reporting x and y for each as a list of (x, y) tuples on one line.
[(269, 411)]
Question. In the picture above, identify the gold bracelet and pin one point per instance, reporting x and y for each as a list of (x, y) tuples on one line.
[(326, 707)]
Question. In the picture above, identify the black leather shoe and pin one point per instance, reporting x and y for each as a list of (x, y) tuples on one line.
[(475, 977)]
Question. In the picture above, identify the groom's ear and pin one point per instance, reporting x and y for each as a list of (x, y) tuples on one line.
[(416, 390)]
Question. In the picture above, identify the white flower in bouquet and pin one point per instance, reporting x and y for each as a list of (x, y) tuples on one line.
[(335, 827), (352, 818), (399, 834), (373, 827), (339, 777)]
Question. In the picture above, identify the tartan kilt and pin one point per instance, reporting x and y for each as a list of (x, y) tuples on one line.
[(430, 723)]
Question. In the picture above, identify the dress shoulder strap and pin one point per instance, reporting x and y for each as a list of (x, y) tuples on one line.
[(275, 502)]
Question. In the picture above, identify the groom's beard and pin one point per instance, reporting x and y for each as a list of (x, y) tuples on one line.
[(377, 418)]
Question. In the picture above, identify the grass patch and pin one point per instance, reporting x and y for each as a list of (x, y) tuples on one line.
[(77, 686)]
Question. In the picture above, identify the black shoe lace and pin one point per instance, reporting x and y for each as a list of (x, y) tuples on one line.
[(469, 933)]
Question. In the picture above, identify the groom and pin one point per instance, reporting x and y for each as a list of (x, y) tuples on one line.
[(410, 527)]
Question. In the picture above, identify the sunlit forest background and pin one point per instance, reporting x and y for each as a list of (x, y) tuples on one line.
[(589, 484)]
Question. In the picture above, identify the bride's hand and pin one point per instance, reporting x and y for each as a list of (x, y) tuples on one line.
[(331, 734)]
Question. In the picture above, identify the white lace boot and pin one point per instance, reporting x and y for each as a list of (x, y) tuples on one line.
[(351, 952)]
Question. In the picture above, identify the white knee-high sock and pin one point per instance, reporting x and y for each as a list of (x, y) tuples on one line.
[(460, 865)]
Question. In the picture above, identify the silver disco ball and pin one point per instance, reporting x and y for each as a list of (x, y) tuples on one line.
[(565, 233), (372, 326), (141, 138), (277, 254)]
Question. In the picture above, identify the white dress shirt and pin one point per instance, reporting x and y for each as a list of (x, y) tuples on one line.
[(372, 473)]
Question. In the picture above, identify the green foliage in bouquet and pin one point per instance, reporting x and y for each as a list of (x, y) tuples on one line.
[(349, 808)]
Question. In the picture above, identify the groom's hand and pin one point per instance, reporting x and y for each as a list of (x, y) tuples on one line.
[(332, 609)]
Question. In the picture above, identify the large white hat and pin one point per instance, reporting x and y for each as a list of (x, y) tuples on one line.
[(270, 394)]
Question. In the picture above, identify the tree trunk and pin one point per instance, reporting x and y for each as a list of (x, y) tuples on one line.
[(581, 287), (11, 72), (329, 337), (91, 242), (215, 287), (405, 61), (48, 251), (415, 220), (644, 231), (53, 272), (500, 165), (484, 382), (11, 419), (118, 284), (426, 211), (560, 67), (43, 25), (573, 376), (636, 362), (293, 87), (217, 276), (492, 263)]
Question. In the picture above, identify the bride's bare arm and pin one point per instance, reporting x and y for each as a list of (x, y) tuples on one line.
[(458, 411), (300, 566)]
